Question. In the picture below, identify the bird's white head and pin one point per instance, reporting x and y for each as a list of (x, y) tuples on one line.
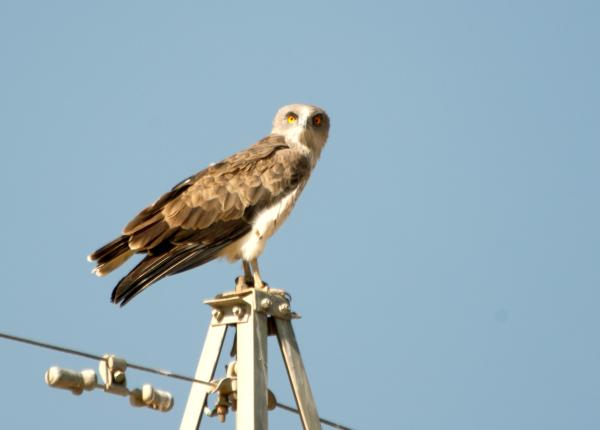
[(303, 126)]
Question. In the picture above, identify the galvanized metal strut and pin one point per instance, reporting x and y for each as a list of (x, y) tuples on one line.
[(255, 314)]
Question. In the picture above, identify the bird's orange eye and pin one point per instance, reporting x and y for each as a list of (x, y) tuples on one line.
[(317, 120), (292, 118)]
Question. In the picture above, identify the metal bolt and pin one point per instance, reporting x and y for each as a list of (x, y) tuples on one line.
[(119, 376), (221, 411), (284, 308), (222, 407), (217, 314), (238, 312), (271, 400), (232, 369), (266, 303)]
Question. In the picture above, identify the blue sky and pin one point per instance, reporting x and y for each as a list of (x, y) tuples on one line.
[(444, 255)]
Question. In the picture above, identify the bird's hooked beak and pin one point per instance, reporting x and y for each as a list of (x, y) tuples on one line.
[(303, 132)]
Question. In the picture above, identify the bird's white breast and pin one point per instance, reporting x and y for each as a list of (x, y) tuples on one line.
[(251, 245)]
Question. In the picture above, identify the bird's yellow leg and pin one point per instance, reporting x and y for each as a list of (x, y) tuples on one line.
[(247, 273), (246, 281), (258, 282)]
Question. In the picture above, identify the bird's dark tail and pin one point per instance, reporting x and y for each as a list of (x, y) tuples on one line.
[(111, 256), (155, 267)]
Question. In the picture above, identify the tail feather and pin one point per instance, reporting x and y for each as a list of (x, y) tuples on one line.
[(176, 258), (111, 255), (153, 268), (118, 243)]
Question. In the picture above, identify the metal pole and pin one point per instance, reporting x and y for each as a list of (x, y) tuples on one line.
[(205, 371), (297, 374), (251, 369)]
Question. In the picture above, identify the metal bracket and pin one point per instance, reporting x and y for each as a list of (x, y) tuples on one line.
[(112, 371), (235, 307), (226, 389)]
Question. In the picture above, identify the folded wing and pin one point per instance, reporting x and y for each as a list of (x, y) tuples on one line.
[(189, 225)]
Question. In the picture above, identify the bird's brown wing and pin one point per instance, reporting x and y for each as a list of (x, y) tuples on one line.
[(189, 225)]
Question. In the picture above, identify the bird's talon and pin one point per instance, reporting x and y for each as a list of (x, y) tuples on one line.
[(241, 283), (263, 286)]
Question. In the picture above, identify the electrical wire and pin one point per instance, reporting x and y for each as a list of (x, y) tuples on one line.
[(323, 420), (160, 372)]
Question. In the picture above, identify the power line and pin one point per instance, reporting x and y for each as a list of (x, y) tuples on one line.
[(160, 372), (45, 345), (323, 420)]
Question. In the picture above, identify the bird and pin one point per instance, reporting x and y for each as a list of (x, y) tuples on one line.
[(228, 210)]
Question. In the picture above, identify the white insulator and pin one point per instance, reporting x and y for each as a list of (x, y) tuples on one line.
[(116, 363), (71, 380), (157, 399), (135, 398)]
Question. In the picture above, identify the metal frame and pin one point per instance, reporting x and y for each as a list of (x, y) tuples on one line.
[(250, 311), (204, 372)]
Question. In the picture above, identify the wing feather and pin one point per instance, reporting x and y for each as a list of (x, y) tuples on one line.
[(189, 225)]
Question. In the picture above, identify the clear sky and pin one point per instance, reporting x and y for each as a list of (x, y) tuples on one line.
[(444, 255)]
